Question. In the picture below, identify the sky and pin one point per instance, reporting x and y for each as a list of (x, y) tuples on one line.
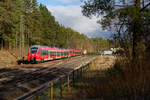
[(68, 13)]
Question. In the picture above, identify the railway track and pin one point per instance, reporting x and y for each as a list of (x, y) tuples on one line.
[(29, 70), (22, 78)]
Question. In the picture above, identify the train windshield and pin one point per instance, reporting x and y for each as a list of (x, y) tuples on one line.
[(34, 50)]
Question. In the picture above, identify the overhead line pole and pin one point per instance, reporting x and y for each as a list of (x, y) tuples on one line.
[(21, 31)]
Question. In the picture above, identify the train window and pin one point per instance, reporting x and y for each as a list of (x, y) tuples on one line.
[(44, 52), (58, 53), (77, 52), (52, 54), (61, 53), (55, 53), (33, 50)]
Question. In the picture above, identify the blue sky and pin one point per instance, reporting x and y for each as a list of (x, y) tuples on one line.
[(60, 2), (68, 13)]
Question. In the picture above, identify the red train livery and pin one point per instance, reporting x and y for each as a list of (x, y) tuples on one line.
[(38, 53)]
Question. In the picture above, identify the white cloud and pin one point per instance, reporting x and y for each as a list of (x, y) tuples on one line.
[(71, 16), (69, 1)]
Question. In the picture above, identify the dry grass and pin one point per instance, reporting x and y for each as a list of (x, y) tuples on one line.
[(126, 80), (6, 59), (84, 85), (9, 57)]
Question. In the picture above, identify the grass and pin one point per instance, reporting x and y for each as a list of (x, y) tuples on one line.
[(126, 80), (84, 85), (6, 59)]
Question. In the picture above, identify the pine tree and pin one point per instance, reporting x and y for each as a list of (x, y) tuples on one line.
[(36, 29)]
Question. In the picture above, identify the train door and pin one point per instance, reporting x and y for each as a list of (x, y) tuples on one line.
[(49, 55), (56, 54)]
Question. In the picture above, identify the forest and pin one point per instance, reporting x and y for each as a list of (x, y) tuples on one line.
[(25, 22)]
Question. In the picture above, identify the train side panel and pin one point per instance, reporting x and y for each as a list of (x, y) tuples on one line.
[(41, 53)]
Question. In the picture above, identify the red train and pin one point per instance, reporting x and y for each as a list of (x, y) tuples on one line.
[(38, 53)]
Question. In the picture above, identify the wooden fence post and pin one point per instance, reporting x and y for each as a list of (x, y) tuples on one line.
[(38, 96), (68, 82), (81, 71), (61, 87), (73, 78), (51, 91), (77, 74)]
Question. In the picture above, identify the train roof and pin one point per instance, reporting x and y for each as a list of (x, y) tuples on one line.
[(61, 49), (39, 46)]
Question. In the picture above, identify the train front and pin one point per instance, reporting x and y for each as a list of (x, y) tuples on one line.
[(32, 54)]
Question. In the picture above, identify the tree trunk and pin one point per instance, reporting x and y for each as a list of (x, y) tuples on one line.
[(136, 32)]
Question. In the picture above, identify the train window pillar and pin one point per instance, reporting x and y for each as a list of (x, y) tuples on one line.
[(48, 53)]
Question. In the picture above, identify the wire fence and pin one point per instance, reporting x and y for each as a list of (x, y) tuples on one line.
[(54, 89)]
